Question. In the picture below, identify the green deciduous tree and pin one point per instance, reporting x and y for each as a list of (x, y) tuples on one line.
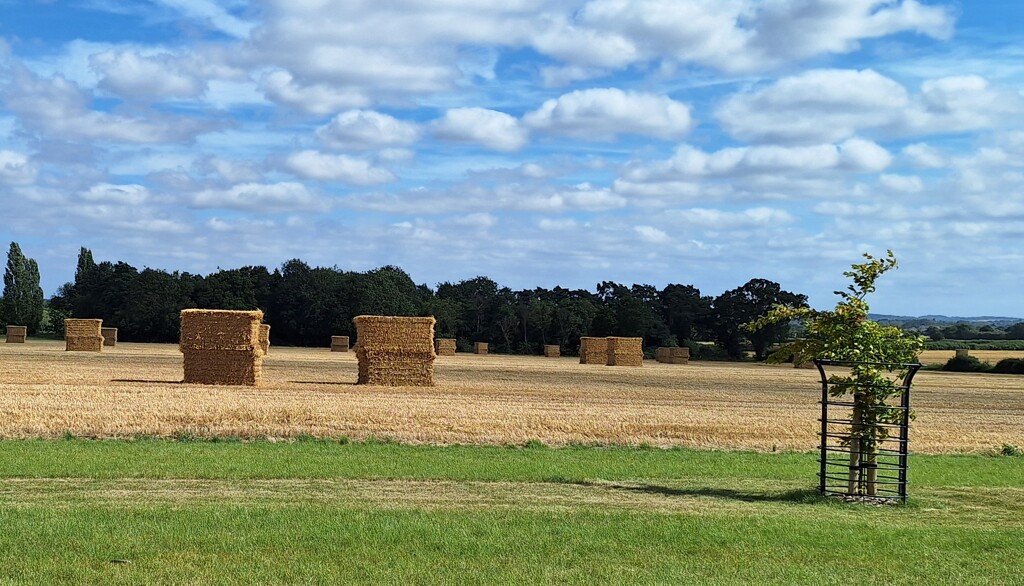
[(23, 297), (846, 334)]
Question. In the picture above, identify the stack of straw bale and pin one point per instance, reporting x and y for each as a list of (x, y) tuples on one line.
[(480, 348), (445, 346), (16, 334), (962, 352), (672, 355), (265, 339), (84, 335), (339, 343), (395, 351), (552, 350), (593, 350), (221, 347), (109, 336), (625, 351)]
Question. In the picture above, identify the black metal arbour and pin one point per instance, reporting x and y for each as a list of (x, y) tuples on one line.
[(850, 467)]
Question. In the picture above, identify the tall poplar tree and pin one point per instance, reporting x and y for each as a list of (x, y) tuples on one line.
[(23, 297)]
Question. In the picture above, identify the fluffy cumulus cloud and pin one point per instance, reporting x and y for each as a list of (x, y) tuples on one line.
[(132, 194), (261, 198), (602, 114), (16, 169), (492, 129), (326, 167), (132, 75), (366, 129)]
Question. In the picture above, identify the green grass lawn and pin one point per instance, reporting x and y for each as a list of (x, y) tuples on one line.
[(317, 512)]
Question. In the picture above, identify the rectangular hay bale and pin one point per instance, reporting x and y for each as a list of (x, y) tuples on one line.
[(109, 336), (339, 343), (445, 346), (552, 350), (625, 351), (84, 344), (593, 350), (672, 355), (395, 351), (220, 329), (480, 348), (265, 338), (223, 367), (83, 328), (17, 334)]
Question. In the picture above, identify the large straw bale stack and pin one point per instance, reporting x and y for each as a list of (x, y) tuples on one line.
[(625, 351), (395, 351), (445, 346), (593, 350), (552, 350), (221, 347), (16, 334), (265, 339), (480, 348), (109, 336), (83, 335), (339, 343), (672, 355)]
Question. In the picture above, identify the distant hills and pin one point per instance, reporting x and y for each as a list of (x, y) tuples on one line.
[(927, 320)]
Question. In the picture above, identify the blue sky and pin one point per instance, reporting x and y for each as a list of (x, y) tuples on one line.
[(540, 143)]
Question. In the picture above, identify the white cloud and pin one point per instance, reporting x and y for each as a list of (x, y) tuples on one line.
[(557, 224), (107, 193), (324, 167), (212, 13), (16, 169), (492, 129), (132, 75), (901, 183), (604, 113), (261, 198), (923, 155), (723, 220), (652, 234), (863, 155), (316, 98), (479, 221), (366, 129), (231, 171)]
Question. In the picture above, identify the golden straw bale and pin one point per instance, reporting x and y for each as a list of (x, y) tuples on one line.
[(480, 348), (552, 350), (109, 336), (593, 350), (221, 347), (672, 355), (962, 352), (395, 351), (16, 334), (339, 343), (265, 338), (83, 335), (223, 367), (445, 346), (220, 329), (625, 351)]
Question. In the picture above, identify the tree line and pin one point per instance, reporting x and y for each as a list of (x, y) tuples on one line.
[(307, 305)]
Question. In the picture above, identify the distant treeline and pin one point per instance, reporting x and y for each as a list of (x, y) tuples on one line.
[(306, 305), (967, 331)]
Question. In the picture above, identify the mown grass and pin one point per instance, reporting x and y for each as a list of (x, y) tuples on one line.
[(318, 512)]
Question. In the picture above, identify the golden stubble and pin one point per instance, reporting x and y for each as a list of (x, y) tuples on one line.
[(135, 389)]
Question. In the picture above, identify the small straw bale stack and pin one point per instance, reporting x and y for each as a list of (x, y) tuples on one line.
[(625, 351), (395, 351), (593, 350), (445, 346), (16, 334), (672, 355), (480, 348), (552, 350), (265, 339), (221, 347), (962, 352), (83, 335), (109, 336), (339, 343)]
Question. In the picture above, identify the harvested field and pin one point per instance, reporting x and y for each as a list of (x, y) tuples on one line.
[(491, 399), (992, 356)]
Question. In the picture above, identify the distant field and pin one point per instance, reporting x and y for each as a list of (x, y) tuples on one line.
[(991, 356), (135, 389)]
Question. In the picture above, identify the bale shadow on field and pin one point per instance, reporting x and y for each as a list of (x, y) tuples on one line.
[(800, 495), (140, 381), (321, 382)]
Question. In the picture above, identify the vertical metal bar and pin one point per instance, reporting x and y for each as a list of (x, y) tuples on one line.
[(823, 448), (905, 431)]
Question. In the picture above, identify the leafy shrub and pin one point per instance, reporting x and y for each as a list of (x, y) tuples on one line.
[(706, 352), (975, 345), (1010, 450), (966, 364), (1009, 366)]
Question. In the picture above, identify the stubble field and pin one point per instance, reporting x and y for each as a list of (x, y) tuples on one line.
[(135, 389)]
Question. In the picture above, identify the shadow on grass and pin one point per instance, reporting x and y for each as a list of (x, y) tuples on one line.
[(800, 495), (322, 382)]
